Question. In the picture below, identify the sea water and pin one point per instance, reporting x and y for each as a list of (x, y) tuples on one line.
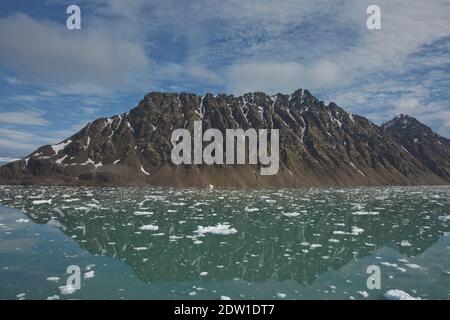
[(163, 243)]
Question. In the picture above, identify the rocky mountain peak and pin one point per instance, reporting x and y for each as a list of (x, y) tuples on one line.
[(405, 122), (421, 142), (319, 145), (411, 128)]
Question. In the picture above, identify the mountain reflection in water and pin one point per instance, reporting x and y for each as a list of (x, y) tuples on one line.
[(254, 235)]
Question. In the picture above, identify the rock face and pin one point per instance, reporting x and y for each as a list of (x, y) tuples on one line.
[(420, 141), (320, 145)]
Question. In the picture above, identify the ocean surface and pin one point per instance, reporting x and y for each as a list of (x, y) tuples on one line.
[(162, 243)]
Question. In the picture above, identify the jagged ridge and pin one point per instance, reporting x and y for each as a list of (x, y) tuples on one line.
[(320, 145)]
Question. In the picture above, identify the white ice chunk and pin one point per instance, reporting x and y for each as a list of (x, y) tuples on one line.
[(68, 289), (53, 279), (281, 295), (222, 229), (397, 294), (42, 201), (149, 227)]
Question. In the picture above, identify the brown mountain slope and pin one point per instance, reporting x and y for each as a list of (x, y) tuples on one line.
[(320, 145)]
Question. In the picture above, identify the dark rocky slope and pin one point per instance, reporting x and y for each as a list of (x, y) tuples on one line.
[(320, 145), (419, 140)]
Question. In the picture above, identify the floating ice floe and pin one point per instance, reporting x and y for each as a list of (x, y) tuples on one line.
[(364, 294), (355, 232), (444, 218), (37, 202), (281, 295), (365, 213), (387, 264), (397, 294), (89, 274), (247, 209), (225, 298), (149, 227), (22, 220), (140, 248), (68, 289), (291, 214), (203, 274), (393, 265), (143, 213), (405, 243), (222, 229), (413, 266), (55, 297), (357, 206), (89, 267), (21, 296), (53, 279)]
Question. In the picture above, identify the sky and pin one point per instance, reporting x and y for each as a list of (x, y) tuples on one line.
[(53, 81)]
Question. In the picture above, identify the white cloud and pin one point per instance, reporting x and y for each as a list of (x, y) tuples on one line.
[(285, 77), (25, 98), (407, 105), (271, 77), (47, 53), (15, 146), (18, 141), (12, 80), (15, 135), (218, 37), (23, 118), (21, 142), (332, 61), (7, 159), (324, 74)]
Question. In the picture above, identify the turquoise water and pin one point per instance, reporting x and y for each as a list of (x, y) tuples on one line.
[(160, 243)]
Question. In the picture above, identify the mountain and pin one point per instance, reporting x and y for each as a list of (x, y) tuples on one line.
[(320, 145), (420, 141)]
